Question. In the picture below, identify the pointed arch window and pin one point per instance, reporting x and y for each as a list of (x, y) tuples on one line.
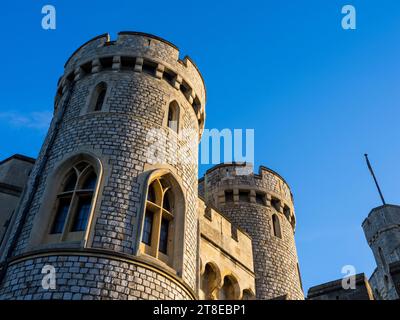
[(173, 116), (98, 97), (74, 201), (163, 217), (276, 226), (158, 219)]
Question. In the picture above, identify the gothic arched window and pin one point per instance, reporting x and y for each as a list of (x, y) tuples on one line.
[(173, 116), (98, 97), (162, 217), (276, 226), (74, 200)]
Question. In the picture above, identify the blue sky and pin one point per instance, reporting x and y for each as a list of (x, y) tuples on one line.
[(317, 96)]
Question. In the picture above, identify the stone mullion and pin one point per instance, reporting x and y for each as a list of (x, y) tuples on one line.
[(155, 237)]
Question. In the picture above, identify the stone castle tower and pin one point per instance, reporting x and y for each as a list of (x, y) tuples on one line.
[(113, 207), (382, 231), (114, 100), (262, 205)]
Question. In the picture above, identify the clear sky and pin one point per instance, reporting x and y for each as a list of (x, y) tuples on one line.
[(317, 96)]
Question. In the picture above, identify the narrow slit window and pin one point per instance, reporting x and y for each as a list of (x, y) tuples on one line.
[(100, 100), (98, 97), (276, 226), (173, 116)]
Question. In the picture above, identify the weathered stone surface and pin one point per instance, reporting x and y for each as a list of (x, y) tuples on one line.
[(275, 259)]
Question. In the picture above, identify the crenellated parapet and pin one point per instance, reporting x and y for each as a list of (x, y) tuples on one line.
[(261, 204), (382, 232), (138, 52), (236, 183)]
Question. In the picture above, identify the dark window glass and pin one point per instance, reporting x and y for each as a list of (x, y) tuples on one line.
[(61, 215), (164, 236), (81, 165), (100, 100), (90, 181), (82, 216), (151, 194), (70, 183), (147, 228), (167, 201)]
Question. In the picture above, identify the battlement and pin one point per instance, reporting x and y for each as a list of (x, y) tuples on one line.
[(139, 52), (243, 168), (381, 219), (213, 221), (333, 290), (236, 182)]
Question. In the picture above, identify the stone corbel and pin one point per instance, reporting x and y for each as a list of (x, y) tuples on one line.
[(138, 65), (116, 65), (159, 71), (178, 82), (96, 66)]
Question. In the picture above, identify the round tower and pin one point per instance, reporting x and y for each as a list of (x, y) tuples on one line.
[(382, 231), (262, 205), (110, 209)]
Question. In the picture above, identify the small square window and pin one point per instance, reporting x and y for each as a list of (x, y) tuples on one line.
[(260, 198), (244, 196), (228, 196)]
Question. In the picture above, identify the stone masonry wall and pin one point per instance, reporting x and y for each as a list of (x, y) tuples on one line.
[(382, 232), (136, 104), (82, 277), (275, 259)]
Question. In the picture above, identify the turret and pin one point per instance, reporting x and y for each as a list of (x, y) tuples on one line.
[(382, 231), (111, 203), (262, 205)]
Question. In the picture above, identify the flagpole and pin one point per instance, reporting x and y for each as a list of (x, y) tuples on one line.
[(373, 176)]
